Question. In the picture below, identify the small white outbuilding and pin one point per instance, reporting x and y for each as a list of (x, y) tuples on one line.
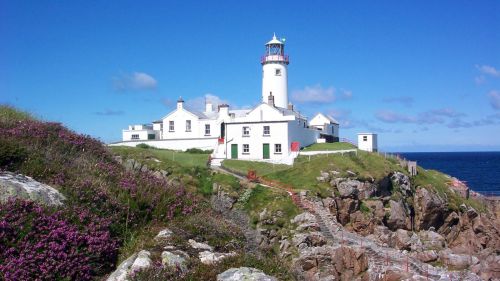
[(367, 142)]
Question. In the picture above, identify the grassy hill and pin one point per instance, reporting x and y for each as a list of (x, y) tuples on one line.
[(110, 211)]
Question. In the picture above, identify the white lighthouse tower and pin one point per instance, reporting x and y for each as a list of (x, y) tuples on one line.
[(274, 73)]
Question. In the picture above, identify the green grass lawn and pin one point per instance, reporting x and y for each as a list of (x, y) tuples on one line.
[(329, 146), (304, 171), (167, 157), (262, 168)]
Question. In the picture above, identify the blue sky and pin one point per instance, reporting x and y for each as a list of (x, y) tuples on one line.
[(425, 75)]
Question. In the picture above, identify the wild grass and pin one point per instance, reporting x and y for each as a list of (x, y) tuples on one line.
[(262, 168), (168, 157), (329, 146)]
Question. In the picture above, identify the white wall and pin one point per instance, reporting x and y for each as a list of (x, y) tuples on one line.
[(278, 85), (177, 144), (143, 134), (256, 139), (297, 132), (370, 144)]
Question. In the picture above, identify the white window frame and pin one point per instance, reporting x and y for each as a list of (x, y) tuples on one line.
[(277, 148), (246, 131), (188, 125), (246, 148), (268, 130), (207, 129), (171, 126), (135, 137)]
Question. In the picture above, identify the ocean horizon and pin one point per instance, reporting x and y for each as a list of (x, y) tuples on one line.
[(480, 170)]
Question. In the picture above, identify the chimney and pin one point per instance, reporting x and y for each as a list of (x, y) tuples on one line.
[(290, 106), (270, 99), (208, 106), (180, 103), (223, 109)]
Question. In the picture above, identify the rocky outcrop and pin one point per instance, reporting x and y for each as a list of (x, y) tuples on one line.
[(331, 263), (176, 259), (397, 217), (20, 186), (430, 209), (402, 182), (244, 273)]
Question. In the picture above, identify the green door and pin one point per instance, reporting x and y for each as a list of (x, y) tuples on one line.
[(234, 151), (265, 150)]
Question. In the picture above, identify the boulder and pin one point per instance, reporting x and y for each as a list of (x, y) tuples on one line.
[(427, 256), (177, 260), (397, 217), (432, 240), (430, 209), (305, 217), (208, 257), (402, 182), (330, 263), (142, 261), (367, 190), (457, 261), (362, 223), (164, 234), (401, 240), (377, 208), (344, 209), (199, 246), (348, 188), (311, 239), (19, 186), (244, 273)]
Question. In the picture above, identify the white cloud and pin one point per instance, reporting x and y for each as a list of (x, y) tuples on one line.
[(198, 103), (136, 81), (489, 70), (109, 112), (394, 117), (314, 94), (479, 79), (427, 117), (494, 97)]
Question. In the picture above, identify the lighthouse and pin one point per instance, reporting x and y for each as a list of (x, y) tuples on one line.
[(274, 73)]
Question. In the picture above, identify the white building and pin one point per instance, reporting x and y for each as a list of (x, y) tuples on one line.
[(271, 131), (367, 142)]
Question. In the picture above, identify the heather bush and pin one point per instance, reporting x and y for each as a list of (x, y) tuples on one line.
[(43, 244), (104, 202)]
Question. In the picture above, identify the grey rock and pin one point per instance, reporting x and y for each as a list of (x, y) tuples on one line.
[(244, 274), (199, 246), (164, 234), (142, 261), (348, 188), (208, 257), (122, 271), (432, 240), (402, 181), (397, 218), (20, 186), (177, 260)]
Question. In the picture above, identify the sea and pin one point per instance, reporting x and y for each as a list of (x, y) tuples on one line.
[(480, 170)]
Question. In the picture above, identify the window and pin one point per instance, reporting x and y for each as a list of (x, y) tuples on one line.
[(246, 131), (277, 148), (161, 127), (365, 138), (151, 136), (171, 126), (207, 129), (188, 125), (278, 72), (135, 136), (267, 130), (246, 149)]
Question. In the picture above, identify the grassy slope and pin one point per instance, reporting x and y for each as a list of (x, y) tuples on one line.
[(329, 146), (262, 168), (91, 178), (169, 157)]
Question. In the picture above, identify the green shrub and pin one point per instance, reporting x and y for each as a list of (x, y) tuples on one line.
[(198, 151), (145, 146)]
